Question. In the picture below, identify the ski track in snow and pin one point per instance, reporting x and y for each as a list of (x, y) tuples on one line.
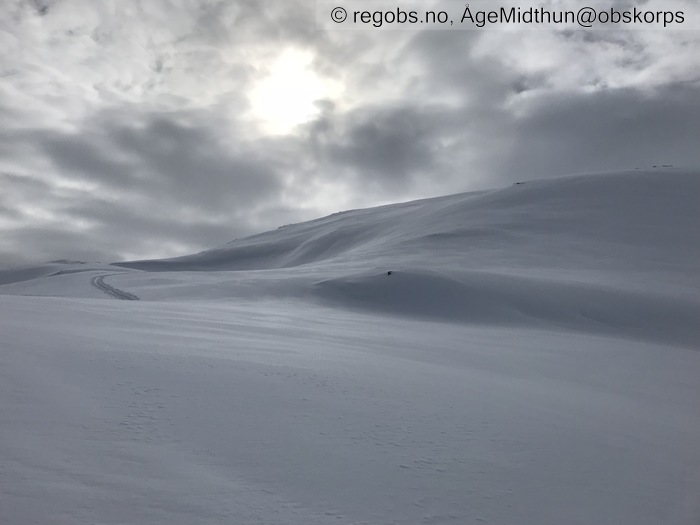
[(99, 283)]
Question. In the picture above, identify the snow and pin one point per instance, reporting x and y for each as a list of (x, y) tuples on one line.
[(532, 359)]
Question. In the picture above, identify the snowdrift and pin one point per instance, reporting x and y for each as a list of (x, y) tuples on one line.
[(488, 298)]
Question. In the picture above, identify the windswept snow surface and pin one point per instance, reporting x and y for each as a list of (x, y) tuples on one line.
[(532, 359)]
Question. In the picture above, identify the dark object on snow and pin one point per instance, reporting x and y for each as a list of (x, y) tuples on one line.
[(388, 273)]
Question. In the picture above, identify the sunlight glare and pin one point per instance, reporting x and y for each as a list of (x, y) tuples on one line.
[(285, 97)]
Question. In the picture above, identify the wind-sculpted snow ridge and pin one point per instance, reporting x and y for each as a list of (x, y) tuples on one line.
[(507, 300)]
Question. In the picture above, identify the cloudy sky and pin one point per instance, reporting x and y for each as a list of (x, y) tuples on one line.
[(151, 128)]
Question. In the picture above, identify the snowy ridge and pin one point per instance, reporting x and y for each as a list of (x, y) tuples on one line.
[(648, 214)]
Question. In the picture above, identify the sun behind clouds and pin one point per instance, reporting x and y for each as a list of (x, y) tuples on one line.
[(286, 96)]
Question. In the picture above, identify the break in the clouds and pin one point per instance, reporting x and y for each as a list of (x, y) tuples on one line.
[(162, 127)]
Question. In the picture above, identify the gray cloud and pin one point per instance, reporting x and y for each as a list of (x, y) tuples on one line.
[(606, 130), (127, 130), (173, 182), (388, 146)]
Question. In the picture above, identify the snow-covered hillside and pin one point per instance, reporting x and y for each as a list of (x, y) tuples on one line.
[(526, 355), (593, 222)]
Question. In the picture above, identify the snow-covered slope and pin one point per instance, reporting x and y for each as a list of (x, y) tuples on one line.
[(531, 359), (646, 219)]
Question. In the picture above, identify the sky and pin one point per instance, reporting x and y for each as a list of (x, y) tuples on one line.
[(144, 129)]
